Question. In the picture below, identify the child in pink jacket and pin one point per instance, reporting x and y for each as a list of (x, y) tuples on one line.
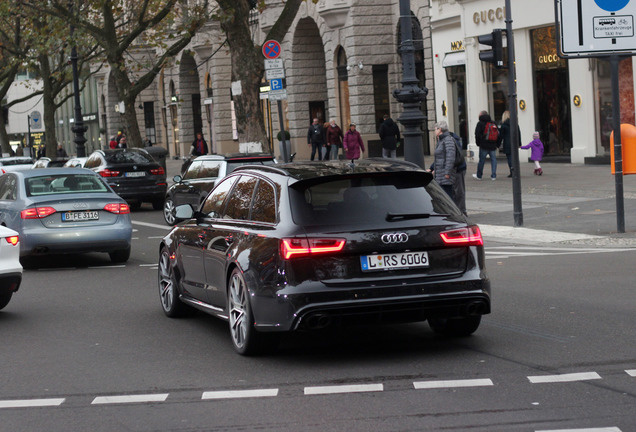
[(536, 152)]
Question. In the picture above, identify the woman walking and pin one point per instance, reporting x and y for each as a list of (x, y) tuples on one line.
[(352, 143)]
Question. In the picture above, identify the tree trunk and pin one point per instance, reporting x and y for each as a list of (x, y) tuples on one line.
[(48, 102), (4, 137)]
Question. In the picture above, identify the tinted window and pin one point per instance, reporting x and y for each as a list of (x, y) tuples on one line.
[(192, 171), (128, 157), (232, 165), (213, 205), (8, 188), (64, 184), (238, 205), (209, 169), (367, 199), (264, 205)]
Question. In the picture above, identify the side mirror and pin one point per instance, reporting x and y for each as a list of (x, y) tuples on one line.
[(177, 179), (183, 212)]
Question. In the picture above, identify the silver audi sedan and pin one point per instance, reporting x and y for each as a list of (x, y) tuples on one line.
[(65, 210)]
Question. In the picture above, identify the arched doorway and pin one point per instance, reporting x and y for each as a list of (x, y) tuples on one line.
[(344, 107), (189, 101)]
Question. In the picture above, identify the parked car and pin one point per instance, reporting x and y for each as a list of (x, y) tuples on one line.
[(65, 210), (200, 177), (10, 267), (132, 173), (307, 245), (45, 162), (15, 163), (77, 162)]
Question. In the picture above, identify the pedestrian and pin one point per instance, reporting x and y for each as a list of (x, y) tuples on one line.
[(352, 143), (536, 152), (316, 139), (41, 151), (459, 185), (390, 136), (507, 139), (488, 139), (123, 142), (334, 139), (147, 143), (61, 153), (326, 153), (113, 142), (444, 165), (199, 146)]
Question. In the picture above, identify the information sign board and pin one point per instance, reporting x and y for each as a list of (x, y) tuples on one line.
[(271, 74), (277, 94)]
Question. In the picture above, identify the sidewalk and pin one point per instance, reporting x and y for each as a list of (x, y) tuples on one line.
[(571, 203)]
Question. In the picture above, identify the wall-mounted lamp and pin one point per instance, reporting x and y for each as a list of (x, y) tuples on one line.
[(359, 65)]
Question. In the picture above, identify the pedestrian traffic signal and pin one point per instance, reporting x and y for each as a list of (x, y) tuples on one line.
[(495, 55)]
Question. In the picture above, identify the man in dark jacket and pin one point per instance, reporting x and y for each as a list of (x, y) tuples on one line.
[(316, 139), (486, 148), (390, 135)]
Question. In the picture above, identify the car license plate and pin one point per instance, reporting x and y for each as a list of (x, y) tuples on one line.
[(135, 174), (79, 216), (406, 260)]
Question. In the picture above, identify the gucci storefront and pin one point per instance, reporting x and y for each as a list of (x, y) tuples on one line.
[(567, 101)]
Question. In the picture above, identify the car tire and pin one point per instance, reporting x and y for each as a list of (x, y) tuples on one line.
[(245, 338), (169, 211), (168, 292), (157, 204), (456, 327), (4, 299), (120, 256)]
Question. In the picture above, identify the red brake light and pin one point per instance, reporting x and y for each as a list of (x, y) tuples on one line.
[(36, 212), (469, 236), (13, 240), (157, 171), (291, 247), (117, 208), (108, 173)]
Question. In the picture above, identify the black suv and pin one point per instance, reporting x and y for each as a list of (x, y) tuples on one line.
[(200, 177), (309, 245), (132, 173)]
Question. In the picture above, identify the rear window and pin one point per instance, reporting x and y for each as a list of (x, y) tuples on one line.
[(9, 162), (128, 157), (64, 184), (232, 165), (368, 199)]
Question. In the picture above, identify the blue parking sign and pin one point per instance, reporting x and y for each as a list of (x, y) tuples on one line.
[(276, 84)]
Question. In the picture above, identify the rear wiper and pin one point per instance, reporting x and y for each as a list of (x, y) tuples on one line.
[(405, 216)]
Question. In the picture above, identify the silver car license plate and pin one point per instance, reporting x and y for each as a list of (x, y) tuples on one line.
[(405, 260)]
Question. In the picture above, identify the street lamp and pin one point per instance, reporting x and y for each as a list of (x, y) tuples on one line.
[(78, 123), (410, 95)]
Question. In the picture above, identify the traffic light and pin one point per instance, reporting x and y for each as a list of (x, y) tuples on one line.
[(495, 55)]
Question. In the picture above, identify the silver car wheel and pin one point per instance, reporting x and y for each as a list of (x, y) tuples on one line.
[(169, 212), (238, 311), (166, 282)]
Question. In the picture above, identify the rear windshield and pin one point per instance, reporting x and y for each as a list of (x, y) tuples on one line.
[(128, 157), (64, 184), (232, 165), (8, 162), (368, 199)]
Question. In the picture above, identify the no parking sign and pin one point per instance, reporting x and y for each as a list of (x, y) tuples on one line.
[(271, 49)]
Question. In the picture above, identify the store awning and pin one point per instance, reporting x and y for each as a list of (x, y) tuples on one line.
[(454, 59)]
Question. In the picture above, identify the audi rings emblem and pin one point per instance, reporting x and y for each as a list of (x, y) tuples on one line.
[(394, 238)]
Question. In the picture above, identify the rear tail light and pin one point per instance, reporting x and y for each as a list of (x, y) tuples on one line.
[(294, 247), (2, 171), (117, 208), (37, 212), (157, 171), (108, 173), (469, 236), (13, 240)]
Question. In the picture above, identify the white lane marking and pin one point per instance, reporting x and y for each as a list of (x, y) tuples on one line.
[(355, 388), (582, 376), (156, 237), (235, 394), (606, 429), (152, 225), (631, 372), (106, 267), (100, 400), (30, 403), (148, 265), (452, 383)]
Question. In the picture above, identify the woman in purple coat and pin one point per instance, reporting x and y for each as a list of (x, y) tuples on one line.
[(536, 152), (352, 143)]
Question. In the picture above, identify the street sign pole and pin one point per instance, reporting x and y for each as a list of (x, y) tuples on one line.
[(618, 151), (275, 71)]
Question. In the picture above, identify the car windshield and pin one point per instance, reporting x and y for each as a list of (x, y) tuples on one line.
[(123, 157), (64, 184), (368, 199)]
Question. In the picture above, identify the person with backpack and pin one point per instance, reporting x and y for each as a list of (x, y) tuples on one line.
[(445, 152), (488, 139)]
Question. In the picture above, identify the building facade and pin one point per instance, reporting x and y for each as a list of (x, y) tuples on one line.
[(567, 101)]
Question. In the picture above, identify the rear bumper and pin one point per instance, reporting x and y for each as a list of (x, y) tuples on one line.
[(43, 241), (10, 282)]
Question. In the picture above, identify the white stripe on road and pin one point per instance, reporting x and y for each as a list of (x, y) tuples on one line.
[(356, 388), (606, 429), (583, 376), (160, 397), (30, 403), (631, 372), (452, 383), (152, 225), (234, 394)]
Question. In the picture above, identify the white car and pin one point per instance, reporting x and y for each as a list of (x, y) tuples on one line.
[(76, 162), (10, 268), (15, 163)]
